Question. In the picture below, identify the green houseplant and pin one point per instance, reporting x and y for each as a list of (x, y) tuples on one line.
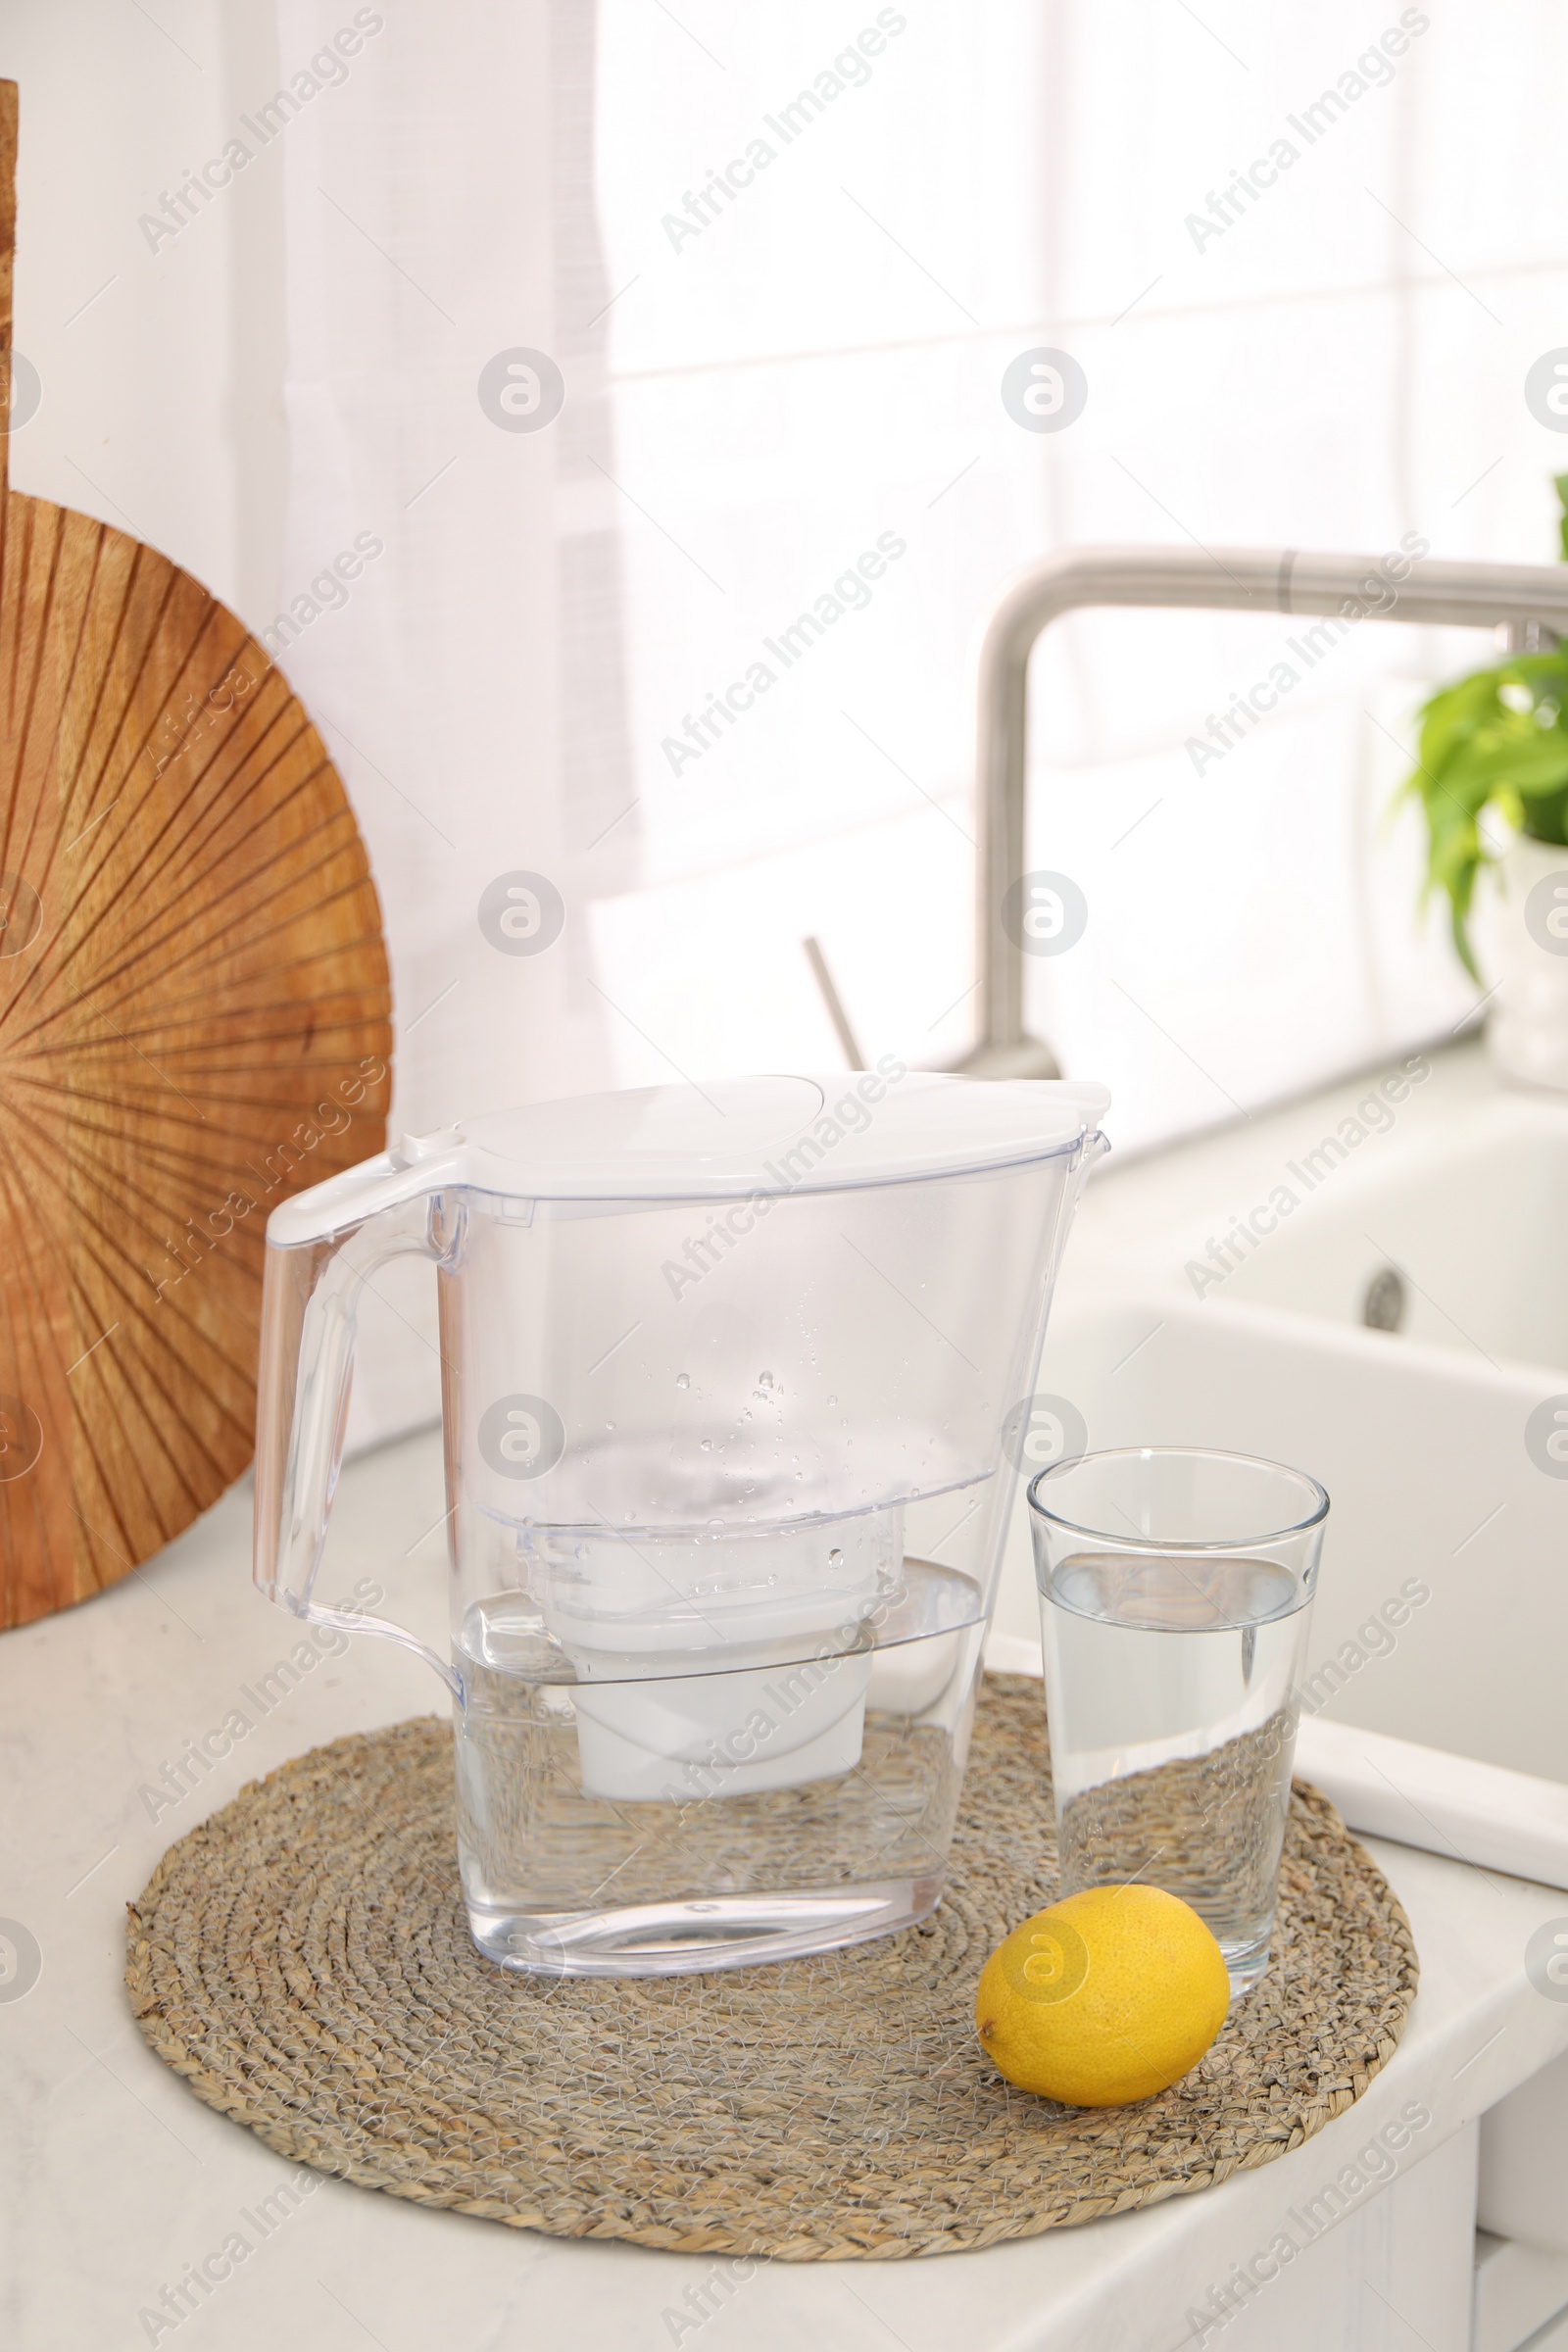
[(1498, 740)]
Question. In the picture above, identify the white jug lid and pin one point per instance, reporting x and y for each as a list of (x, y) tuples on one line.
[(722, 1140)]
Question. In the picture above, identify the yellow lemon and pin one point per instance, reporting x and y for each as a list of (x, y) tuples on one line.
[(1106, 1997)]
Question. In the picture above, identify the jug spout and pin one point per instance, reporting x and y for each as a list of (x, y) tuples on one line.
[(1093, 1151)]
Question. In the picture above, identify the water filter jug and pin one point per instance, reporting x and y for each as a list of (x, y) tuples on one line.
[(726, 1374)]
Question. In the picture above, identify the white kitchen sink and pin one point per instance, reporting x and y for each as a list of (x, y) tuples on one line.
[(1442, 1521), (1470, 1226), (1434, 1708)]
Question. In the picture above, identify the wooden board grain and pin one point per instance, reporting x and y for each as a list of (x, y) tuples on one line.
[(194, 1023)]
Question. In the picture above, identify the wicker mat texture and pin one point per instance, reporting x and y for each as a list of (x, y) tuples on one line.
[(303, 1961)]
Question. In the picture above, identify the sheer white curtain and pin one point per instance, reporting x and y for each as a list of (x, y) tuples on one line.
[(696, 651), (468, 674)]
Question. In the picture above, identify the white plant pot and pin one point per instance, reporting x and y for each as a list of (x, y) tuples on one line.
[(1523, 933)]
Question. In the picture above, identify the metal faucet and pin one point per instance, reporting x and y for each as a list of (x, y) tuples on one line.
[(1527, 603)]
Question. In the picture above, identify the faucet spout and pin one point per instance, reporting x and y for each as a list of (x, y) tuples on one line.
[(1529, 600)]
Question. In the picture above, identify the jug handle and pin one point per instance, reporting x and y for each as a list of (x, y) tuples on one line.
[(310, 1310)]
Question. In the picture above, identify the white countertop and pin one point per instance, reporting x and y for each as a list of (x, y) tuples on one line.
[(114, 2178)]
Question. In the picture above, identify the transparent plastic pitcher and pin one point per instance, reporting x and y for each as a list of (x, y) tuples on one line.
[(725, 1379)]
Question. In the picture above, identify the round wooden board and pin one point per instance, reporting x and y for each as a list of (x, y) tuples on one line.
[(194, 1023)]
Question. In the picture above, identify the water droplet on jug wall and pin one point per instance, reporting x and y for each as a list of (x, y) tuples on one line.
[(683, 1380)]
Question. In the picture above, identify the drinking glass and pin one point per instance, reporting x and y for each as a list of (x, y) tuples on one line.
[(1175, 1594)]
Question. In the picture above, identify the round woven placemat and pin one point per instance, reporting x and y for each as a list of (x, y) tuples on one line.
[(303, 1961)]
